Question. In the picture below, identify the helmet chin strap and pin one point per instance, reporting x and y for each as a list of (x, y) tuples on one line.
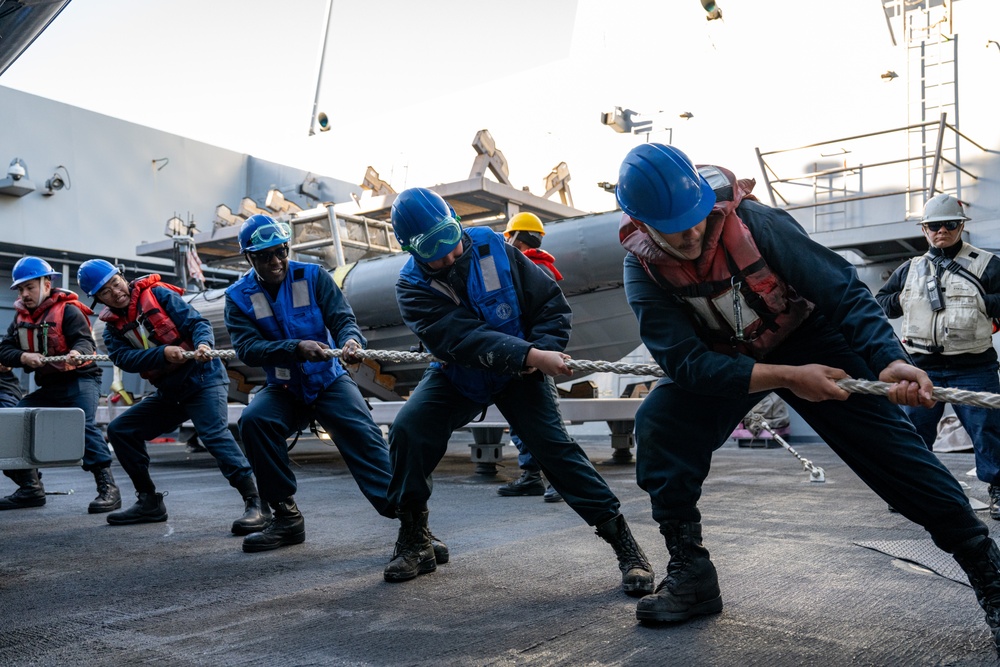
[(662, 243)]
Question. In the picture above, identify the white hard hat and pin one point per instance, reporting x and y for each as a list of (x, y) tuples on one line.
[(943, 207)]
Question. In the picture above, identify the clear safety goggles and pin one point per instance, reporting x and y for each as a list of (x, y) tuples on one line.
[(448, 232), (269, 234)]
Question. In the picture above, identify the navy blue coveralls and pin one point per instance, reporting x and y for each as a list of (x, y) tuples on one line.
[(194, 391), (10, 389), (454, 333), (687, 417), (299, 392)]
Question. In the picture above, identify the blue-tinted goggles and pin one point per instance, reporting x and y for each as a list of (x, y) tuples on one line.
[(268, 235), (426, 246), (950, 225)]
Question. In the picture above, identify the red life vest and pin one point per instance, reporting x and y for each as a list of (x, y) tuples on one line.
[(542, 258), (40, 330), (145, 324), (737, 302)]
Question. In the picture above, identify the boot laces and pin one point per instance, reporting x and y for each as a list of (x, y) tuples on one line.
[(629, 553)]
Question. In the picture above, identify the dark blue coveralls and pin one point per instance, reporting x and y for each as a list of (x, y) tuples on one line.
[(418, 438), (194, 391), (10, 389), (279, 410), (687, 417)]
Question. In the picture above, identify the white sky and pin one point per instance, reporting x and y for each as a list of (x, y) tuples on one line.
[(408, 84)]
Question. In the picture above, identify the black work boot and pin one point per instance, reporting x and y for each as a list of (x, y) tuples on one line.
[(108, 496), (256, 515), (149, 508), (637, 573), (980, 559), (30, 492), (995, 502), (691, 586), (551, 495), (528, 484), (414, 554), (287, 527), (441, 555)]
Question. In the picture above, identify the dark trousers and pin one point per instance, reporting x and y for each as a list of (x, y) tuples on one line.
[(82, 392), (275, 413), (418, 440), (525, 460), (982, 424), (677, 431), (158, 414)]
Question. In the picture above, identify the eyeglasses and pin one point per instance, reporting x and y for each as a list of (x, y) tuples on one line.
[(950, 225), (448, 232), (264, 256)]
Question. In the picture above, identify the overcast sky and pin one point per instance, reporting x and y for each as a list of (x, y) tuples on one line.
[(408, 84)]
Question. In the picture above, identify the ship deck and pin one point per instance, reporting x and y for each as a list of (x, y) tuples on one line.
[(528, 582)]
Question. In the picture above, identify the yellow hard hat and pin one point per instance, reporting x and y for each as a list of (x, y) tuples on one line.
[(524, 222)]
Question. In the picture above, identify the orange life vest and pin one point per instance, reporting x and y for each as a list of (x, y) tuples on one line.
[(737, 302), (542, 258), (41, 330), (145, 324)]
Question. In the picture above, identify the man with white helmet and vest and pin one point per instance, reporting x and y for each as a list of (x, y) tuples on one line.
[(525, 231), (498, 325), (949, 298), (148, 329), (53, 322), (734, 300), (285, 317)]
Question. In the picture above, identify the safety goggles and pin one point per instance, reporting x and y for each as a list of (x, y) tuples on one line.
[(950, 225), (269, 234), (264, 256), (446, 233)]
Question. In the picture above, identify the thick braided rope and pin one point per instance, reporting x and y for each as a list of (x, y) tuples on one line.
[(980, 399), (220, 354)]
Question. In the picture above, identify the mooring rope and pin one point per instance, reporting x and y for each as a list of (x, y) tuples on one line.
[(980, 399)]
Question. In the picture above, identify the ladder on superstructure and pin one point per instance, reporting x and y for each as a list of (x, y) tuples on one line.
[(932, 95)]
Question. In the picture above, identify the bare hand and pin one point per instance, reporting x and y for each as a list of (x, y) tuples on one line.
[(201, 354), (549, 362), (32, 360), (72, 358), (910, 385), (174, 354), (348, 353), (311, 350), (815, 382), (4, 369)]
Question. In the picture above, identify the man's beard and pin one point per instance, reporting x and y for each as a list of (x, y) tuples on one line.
[(662, 243)]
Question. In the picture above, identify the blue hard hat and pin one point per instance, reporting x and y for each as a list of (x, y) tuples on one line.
[(660, 187), (262, 231), (95, 274), (29, 268), (424, 224)]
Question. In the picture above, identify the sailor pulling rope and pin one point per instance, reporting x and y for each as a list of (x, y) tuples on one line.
[(980, 399)]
